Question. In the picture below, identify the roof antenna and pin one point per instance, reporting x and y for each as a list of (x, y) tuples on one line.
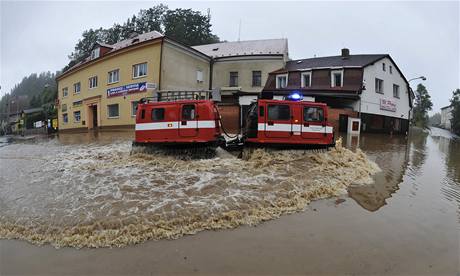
[(239, 31)]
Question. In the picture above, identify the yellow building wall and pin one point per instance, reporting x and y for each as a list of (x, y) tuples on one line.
[(149, 53), (244, 67), (179, 69)]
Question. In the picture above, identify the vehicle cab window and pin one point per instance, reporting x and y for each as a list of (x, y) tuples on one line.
[(313, 114), (279, 112), (188, 112)]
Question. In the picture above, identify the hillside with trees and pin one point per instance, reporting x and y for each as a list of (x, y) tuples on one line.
[(455, 103)]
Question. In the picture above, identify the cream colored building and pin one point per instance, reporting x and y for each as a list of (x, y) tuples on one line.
[(103, 90)]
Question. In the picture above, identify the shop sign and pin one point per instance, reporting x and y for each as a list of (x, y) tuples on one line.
[(127, 89), (387, 105)]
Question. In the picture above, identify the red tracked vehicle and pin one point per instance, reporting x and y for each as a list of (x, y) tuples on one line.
[(288, 123), (177, 122)]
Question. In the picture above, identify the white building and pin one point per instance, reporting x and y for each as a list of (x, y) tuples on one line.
[(446, 116)]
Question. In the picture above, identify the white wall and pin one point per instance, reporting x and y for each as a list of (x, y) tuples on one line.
[(370, 100)]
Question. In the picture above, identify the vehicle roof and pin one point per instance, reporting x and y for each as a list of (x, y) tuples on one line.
[(293, 102)]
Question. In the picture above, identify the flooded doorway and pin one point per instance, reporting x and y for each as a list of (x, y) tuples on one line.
[(94, 111), (343, 123)]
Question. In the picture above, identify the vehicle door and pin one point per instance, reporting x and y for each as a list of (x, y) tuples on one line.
[(313, 124), (278, 121), (188, 124)]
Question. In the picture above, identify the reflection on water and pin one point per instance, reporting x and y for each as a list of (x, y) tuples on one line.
[(402, 160)]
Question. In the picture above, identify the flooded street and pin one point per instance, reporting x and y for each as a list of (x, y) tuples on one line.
[(87, 191)]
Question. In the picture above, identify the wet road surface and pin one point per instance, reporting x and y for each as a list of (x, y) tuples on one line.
[(407, 222)]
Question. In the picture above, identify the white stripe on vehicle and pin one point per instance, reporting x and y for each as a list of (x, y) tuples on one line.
[(295, 128), (176, 125)]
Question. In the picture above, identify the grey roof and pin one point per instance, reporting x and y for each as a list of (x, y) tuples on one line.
[(137, 39), (243, 48), (333, 61)]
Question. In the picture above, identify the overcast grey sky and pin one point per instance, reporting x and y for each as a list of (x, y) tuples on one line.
[(422, 37)]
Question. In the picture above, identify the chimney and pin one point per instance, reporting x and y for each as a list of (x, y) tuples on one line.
[(345, 53)]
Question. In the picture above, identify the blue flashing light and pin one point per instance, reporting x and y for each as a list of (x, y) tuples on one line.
[(295, 96)]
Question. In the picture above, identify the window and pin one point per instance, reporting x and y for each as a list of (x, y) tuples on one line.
[(76, 88), (76, 116), (233, 79), (395, 91), (158, 114), (383, 67), (113, 110), (261, 111), (313, 114), (188, 112), (391, 69), (77, 103), (134, 108), (279, 112), (65, 92), (65, 118), (114, 76), (281, 81), (199, 76), (93, 82), (256, 78), (378, 85), (95, 53), (64, 107), (337, 78), (306, 79), (140, 70)]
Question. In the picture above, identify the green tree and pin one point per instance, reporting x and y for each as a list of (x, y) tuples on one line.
[(189, 27), (455, 103), (423, 104), (435, 120)]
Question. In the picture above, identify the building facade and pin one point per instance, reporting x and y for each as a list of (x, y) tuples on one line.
[(103, 90), (370, 88), (446, 116), (240, 70)]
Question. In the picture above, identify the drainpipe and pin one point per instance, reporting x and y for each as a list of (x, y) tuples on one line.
[(211, 65)]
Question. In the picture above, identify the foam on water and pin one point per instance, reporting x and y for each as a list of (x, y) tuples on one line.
[(101, 196)]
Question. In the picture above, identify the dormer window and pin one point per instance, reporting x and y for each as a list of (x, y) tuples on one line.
[(281, 81), (306, 79), (95, 53), (337, 78)]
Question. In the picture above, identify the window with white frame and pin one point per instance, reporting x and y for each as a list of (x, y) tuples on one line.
[(114, 76), (256, 78), (395, 90), (95, 53), (199, 76), (65, 92), (337, 78), (93, 82), (113, 110), (134, 108), (76, 88), (77, 116), (140, 70), (65, 118), (281, 81), (378, 86), (306, 79)]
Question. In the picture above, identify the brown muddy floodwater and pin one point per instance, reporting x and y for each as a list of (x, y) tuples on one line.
[(86, 190)]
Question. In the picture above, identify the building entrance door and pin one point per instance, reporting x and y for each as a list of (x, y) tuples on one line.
[(94, 111), (343, 123)]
